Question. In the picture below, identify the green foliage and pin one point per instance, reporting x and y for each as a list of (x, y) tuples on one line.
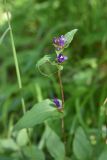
[(43, 60), (103, 156), (8, 144), (81, 145), (33, 153), (69, 37), (54, 145), (38, 114), (22, 138)]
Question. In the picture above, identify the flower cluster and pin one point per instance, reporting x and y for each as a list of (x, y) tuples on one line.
[(61, 58), (59, 44)]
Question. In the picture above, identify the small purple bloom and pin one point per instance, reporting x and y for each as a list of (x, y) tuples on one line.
[(57, 103), (61, 58), (59, 42), (55, 40), (62, 40)]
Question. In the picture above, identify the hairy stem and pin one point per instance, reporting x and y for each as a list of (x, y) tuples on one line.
[(62, 95)]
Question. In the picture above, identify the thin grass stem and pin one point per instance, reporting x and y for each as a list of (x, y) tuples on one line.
[(16, 66), (15, 57)]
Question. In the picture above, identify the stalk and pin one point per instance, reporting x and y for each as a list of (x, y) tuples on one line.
[(15, 58), (16, 66)]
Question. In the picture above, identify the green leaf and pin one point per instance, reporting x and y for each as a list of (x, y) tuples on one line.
[(69, 37), (54, 145), (102, 115), (22, 137), (33, 152), (103, 155), (46, 62), (43, 60), (38, 114), (8, 144), (81, 145)]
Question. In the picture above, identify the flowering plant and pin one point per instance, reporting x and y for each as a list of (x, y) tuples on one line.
[(44, 110), (60, 43)]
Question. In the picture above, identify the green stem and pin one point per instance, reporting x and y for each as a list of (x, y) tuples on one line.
[(15, 58), (61, 88), (17, 70), (17, 67)]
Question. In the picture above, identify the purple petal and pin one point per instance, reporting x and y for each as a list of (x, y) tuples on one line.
[(57, 103), (65, 58), (59, 42), (61, 58), (54, 40)]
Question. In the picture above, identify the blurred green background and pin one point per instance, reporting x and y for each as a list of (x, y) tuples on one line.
[(35, 23)]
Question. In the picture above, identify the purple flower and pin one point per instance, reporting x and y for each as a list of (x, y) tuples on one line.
[(62, 40), (59, 42), (61, 58), (57, 103)]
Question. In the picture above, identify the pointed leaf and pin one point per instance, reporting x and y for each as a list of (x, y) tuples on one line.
[(38, 114), (69, 37), (54, 145), (81, 145)]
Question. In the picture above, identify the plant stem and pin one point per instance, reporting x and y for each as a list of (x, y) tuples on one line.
[(17, 67), (62, 95), (61, 88), (15, 57)]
